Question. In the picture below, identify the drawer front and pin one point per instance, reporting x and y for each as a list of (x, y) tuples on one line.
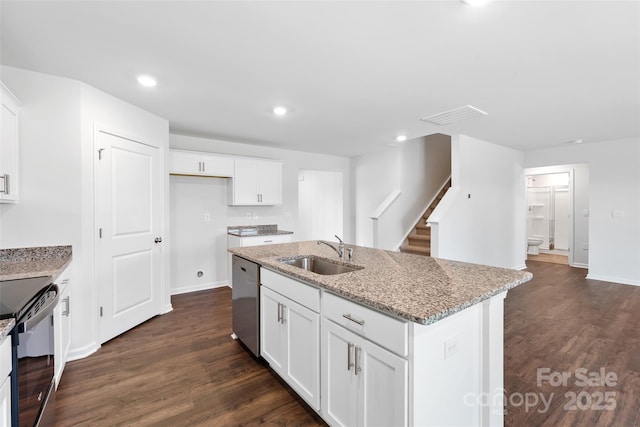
[(5, 357), (384, 330), (303, 294)]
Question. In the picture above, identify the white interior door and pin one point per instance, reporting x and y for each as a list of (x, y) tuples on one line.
[(128, 206)]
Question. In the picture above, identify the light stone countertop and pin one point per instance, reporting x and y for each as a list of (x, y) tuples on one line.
[(24, 263), (6, 325), (411, 287)]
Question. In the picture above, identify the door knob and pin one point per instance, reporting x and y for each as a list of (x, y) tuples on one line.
[(158, 240)]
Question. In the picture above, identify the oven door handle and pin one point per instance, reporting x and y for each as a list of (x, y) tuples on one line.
[(42, 313)]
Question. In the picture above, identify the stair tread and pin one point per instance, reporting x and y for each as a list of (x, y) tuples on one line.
[(421, 237), (417, 250)]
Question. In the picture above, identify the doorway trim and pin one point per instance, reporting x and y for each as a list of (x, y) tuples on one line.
[(570, 169)]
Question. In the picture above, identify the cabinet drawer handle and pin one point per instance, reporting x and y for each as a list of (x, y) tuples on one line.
[(268, 241), (279, 313), (358, 368), (7, 189), (348, 317), (66, 302), (349, 361)]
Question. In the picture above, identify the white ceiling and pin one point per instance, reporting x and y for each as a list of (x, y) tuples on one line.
[(354, 74)]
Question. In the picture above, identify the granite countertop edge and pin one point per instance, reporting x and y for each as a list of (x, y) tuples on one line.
[(336, 284), (25, 263), (6, 325), (260, 233), (389, 309)]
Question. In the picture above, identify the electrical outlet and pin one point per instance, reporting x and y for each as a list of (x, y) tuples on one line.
[(207, 217), (451, 346)]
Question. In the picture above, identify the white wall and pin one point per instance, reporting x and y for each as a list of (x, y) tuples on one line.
[(56, 161), (199, 245), (320, 205), (417, 169), (482, 219), (580, 206), (614, 185)]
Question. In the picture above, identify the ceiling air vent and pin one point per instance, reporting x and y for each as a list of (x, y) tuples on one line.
[(455, 115)]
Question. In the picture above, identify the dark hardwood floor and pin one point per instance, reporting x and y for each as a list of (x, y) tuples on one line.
[(563, 322), (183, 369), (179, 369)]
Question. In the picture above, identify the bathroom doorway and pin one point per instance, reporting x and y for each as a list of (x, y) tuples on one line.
[(570, 202), (549, 217)]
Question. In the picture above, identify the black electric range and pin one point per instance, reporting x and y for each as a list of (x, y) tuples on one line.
[(31, 302)]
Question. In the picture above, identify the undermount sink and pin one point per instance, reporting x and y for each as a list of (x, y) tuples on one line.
[(319, 265)]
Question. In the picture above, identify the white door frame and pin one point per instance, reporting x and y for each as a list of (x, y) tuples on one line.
[(559, 169), (165, 301)]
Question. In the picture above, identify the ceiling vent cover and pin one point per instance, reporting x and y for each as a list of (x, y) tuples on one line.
[(455, 115)]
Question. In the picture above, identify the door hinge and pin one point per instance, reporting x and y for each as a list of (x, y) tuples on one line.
[(100, 150), (100, 311), (100, 233)]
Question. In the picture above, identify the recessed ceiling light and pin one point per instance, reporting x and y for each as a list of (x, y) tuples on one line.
[(576, 141), (401, 138), (475, 2), (147, 81), (279, 111)]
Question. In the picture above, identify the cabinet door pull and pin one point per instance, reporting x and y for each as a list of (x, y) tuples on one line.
[(7, 187), (358, 368), (279, 313), (349, 361), (67, 308), (349, 317)]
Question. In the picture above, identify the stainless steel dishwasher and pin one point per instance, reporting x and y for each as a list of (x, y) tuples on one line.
[(246, 302)]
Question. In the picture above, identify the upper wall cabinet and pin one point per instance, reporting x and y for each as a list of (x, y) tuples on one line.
[(8, 146), (200, 164), (256, 182)]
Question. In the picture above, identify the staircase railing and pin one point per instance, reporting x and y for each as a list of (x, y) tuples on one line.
[(380, 210)]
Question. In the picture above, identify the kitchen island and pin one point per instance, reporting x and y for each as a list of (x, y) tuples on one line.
[(422, 337)]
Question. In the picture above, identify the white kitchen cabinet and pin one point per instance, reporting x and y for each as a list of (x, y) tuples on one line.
[(9, 146), (362, 383), (200, 164), (62, 324), (5, 381), (267, 239), (290, 333), (256, 182)]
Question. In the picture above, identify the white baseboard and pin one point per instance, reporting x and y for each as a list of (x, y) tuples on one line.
[(614, 280), (199, 287), (167, 308), (579, 265), (520, 267), (82, 352)]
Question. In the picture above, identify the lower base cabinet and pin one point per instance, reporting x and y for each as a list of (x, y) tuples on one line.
[(5, 381), (290, 340), (363, 384), (377, 370), (62, 325)]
